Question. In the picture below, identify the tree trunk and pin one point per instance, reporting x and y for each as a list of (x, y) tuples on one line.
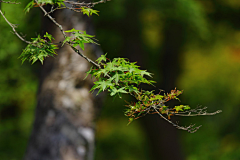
[(163, 137), (65, 113)]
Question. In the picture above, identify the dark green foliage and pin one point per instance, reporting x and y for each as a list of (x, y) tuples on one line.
[(89, 11), (43, 2), (39, 49), (79, 38), (118, 76)]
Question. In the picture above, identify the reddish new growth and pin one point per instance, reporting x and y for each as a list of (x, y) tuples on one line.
[(149, 103)]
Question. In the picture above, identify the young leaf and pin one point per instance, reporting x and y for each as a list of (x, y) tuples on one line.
[(88, 11), (122, 90), (73, 30), (29, 6), (88, 72), (67, 39), (38, 50), (113, 91), (49, 36), (102, 85), (145, 73), (102, 58)]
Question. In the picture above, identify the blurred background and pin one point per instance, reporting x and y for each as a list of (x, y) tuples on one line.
[(193, 45)]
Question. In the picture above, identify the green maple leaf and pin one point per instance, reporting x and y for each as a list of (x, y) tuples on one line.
[(89, 11), (81, 37), (38, 50), (181, 108), (67, 39), (133, 69), (116, 78), (101, 85), (122, 90), (104, 84), (145, 73), (102, 58), (45, 1), (73, 30), (49, 36), (133, 89), (113, 91)]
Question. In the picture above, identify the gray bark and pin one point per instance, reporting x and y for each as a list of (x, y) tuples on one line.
[(65, 112)]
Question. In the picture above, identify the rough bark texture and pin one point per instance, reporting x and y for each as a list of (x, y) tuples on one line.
[(65, 113)]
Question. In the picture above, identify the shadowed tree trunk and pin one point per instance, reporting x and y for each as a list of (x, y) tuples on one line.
[(65, 113), (163, 136)]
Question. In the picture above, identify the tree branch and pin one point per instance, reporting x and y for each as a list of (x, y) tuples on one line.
[(197, 112), (52, 19), (13, 28), (65, 36), (83, 4), (190, 128), (9, 2)]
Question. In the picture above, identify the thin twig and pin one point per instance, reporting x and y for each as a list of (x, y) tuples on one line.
[(13, 28), (189, 128), (85, 57), (78, 5), (9, 2), (52, 19), (198, 111), (65, 36), (70, 8), (83, 4)]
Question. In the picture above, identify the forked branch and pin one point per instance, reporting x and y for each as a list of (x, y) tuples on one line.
[(190, 128)]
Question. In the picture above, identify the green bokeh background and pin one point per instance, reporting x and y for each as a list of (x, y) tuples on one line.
[(210, 75)]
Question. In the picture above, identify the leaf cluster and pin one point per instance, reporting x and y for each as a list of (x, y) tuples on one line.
[(43, 2), (79, 38), (89, 11), (148, 103), (118, 76), (39, 49)]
